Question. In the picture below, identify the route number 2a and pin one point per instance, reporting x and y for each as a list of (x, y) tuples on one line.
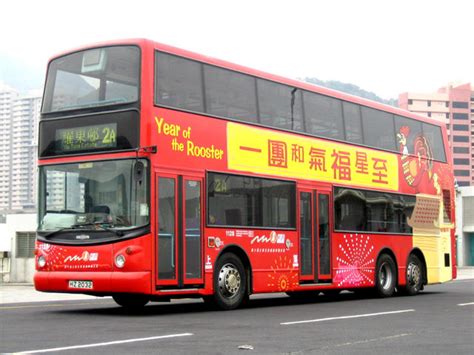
[(220, 186), (109, 135)]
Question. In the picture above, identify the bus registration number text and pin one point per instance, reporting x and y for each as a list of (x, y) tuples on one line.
[(80, 284)]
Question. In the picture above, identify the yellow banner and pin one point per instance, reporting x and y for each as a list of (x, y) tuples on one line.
[(275, 153)]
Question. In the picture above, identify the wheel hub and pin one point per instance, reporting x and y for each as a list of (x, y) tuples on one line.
[(229, 280), (385, 276), (413, 274)]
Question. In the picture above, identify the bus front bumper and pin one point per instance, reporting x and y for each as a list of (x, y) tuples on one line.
[(99, 282)]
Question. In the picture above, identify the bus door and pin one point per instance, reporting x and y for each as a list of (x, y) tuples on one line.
[(179, 231), (314, 223)]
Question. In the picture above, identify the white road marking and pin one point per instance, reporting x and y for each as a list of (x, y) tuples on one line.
[(106, 344), (466, 304), (348, 317)]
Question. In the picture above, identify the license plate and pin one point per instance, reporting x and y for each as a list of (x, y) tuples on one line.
[(80, 284)]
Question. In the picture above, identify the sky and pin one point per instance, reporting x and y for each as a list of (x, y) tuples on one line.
[(384, 46)]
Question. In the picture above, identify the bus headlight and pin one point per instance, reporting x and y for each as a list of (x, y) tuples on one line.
[(120, 261), (41, 261)]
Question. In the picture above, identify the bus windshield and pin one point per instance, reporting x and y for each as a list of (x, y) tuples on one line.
[(95, 77), (112, 194)]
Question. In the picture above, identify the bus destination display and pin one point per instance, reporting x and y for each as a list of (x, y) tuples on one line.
[(87, 137)]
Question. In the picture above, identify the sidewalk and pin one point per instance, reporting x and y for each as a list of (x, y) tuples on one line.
[(465, 273), (22, 293)]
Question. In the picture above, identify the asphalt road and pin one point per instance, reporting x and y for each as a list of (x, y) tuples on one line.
[(438, 321)]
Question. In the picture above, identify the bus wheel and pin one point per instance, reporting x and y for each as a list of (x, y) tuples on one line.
[(230, 282), (385, 276), (131, 301), (414, 276)]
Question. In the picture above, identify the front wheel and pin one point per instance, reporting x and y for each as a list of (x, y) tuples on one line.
[(131, 301), (414, 276), (385, 276), (230, 282)]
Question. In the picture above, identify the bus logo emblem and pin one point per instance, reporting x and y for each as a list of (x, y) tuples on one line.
[(86, 256)]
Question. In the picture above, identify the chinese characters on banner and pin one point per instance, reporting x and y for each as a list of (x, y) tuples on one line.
[(254, 149)]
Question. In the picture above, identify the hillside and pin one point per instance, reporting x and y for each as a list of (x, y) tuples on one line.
[(352, 90)]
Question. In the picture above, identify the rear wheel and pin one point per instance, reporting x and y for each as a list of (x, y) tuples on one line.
[(230, 282), (414, 276), (131, 301), (385, 276)]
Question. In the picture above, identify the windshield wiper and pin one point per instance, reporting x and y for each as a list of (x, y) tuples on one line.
[(50, 234)]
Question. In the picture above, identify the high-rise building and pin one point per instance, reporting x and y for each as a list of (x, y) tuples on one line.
[(26, 112), (18, 149), (453, 105), (7, 97)]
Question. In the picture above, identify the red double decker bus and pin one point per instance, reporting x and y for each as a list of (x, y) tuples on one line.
[(167, 174)]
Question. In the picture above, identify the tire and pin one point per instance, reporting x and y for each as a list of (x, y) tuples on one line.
[(385, 276), (131, 301), (414, 276), (230, 282)]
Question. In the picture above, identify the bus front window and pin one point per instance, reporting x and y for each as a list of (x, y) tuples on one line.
[(105, 193), (91, 78)]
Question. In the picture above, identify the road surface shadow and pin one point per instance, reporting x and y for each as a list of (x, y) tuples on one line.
[(198, 306)]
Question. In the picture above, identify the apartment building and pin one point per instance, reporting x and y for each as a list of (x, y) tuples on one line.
[(18, 149), (26, 113), (7, 97)]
